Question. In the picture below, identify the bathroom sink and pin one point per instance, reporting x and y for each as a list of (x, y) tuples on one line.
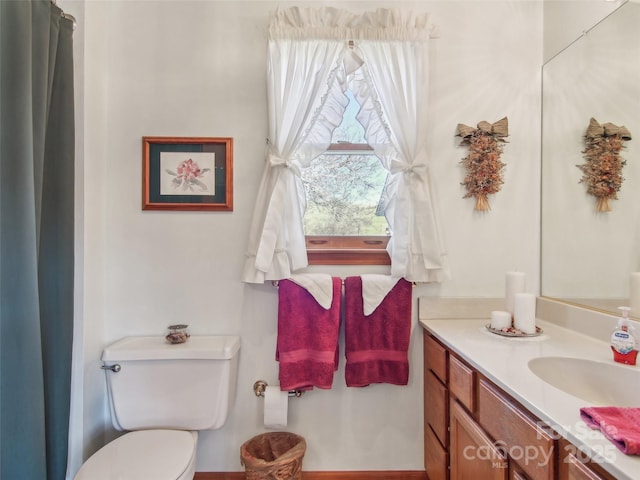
[(597, 383)]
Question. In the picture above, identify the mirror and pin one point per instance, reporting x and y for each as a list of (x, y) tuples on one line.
[(587, 256)]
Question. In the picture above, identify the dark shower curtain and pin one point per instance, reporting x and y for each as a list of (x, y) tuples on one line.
[(36, 238)]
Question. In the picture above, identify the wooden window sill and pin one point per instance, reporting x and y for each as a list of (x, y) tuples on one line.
[(347, 250)]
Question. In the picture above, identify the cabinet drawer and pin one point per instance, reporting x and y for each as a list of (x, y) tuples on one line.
[(436, 458), (435, 357), (462, 383), (436, 407), (508, 425)]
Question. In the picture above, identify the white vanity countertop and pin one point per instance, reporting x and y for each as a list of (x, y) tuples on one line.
[(504, 361)]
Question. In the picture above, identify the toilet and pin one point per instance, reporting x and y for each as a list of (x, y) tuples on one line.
[(163, 394)]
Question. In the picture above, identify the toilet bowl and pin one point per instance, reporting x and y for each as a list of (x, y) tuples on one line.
[(162, 395), (144, 454)]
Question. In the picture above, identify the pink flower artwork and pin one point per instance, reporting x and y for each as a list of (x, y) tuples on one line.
[(186, 176)]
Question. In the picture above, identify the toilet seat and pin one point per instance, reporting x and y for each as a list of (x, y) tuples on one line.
[(144, 455)]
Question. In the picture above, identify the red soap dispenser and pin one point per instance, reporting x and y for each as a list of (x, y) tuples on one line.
[(623, 342)]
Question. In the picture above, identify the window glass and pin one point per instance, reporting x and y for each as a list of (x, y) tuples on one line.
[(344, 185)]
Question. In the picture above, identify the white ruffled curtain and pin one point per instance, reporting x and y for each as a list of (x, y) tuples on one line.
[(314, 56)]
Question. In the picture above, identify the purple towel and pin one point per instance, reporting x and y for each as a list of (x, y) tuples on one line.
[(377, 345), (307, 345)]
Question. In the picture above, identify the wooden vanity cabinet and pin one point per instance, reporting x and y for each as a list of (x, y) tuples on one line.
[(473, 429)]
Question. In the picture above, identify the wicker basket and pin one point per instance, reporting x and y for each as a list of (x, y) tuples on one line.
[(273, 456)]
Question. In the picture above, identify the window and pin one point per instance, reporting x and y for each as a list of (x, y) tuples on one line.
[(344, 223)]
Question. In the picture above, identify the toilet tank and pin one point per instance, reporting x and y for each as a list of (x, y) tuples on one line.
[(186, 386)]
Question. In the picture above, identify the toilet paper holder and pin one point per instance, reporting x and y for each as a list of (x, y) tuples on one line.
[(260, 386)]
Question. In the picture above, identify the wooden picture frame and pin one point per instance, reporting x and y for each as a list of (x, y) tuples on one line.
[(187, 173)]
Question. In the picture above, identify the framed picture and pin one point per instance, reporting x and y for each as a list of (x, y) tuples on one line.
[(182, 173)]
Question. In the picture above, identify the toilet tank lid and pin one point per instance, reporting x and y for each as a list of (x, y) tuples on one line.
[(206, 347)]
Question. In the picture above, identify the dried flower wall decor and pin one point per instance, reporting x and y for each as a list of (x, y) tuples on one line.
[(483, 164), (602, 171)]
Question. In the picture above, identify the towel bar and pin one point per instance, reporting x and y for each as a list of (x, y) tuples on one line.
[(260, 386), (276, 283)]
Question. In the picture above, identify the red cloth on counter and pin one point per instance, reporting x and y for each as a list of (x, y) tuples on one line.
[(621, 425)]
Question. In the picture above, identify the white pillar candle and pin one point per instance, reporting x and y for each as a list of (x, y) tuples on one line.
[(634, 294), (500, 319), (515, 283), (524, 312)]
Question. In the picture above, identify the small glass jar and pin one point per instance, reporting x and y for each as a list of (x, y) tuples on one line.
[(177, 334)]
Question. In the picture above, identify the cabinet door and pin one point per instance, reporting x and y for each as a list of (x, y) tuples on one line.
[(575, 470), (473, 454)]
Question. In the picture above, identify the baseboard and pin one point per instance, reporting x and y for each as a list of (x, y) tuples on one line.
[(366, 475)]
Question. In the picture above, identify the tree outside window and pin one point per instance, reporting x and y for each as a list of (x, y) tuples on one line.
[(344, 185)]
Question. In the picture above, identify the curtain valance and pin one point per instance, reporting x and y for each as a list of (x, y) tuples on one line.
[(337, 24)]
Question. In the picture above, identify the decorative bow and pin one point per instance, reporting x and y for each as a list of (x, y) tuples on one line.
[(277, 161), (418, 167), (499, 129), (596, 130)]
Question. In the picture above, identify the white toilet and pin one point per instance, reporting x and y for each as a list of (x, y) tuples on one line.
[(163, 394)]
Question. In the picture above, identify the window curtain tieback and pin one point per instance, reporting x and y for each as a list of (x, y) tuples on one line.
[(416, 169), (277, 161)]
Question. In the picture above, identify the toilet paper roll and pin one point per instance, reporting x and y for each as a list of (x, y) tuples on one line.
[(276, 407), (500, 320), (634, 294), (524, 312)]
